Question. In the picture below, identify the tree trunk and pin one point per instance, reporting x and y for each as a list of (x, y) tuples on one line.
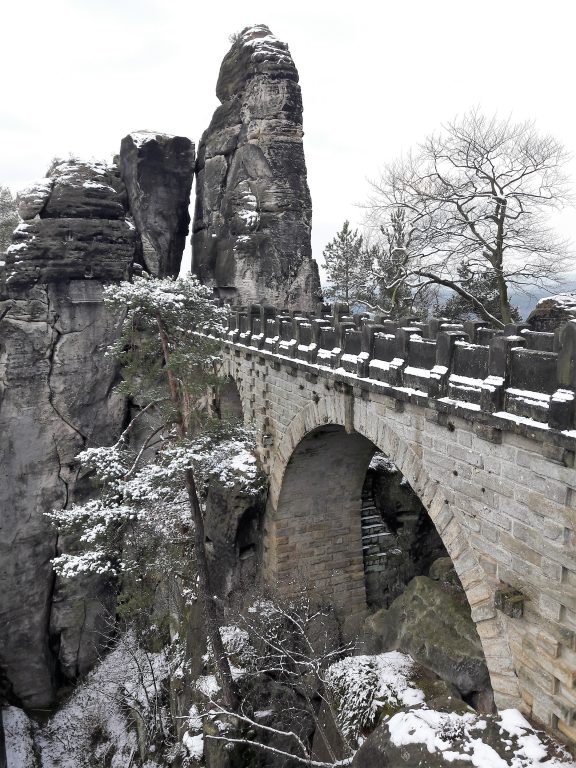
[(204, 589), (505, 312), (207, 598)]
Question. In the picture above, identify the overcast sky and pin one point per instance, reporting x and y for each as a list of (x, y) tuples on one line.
[(376, 77)]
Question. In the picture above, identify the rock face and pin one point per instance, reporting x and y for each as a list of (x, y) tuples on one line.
[(552, 311), (57, 397), (253, 213), (400, 540), (431, 623), (157, 170), (74, 227)]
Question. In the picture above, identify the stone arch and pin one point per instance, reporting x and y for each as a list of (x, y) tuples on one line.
[(281, 546)]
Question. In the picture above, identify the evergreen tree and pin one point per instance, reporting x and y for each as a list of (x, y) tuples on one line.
[(8, 218), (482, 284), (343, 263), (167, 368)]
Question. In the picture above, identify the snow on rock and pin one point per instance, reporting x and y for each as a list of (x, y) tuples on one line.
[(382, 463), (362, 685), (208, 685), (194, 745), (95, 719), (465, 738), (552, 311), (18, 738), (32, 198)]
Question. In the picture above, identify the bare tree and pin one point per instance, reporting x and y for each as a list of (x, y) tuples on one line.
[(476, 195), (293, 642)]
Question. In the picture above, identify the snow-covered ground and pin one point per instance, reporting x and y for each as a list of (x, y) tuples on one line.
[(94, 726)]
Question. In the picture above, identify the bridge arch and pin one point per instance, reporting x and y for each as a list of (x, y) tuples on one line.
[(313, 528)]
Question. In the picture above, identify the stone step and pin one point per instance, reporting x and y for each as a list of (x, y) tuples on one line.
[(374, 568), (375, 538)]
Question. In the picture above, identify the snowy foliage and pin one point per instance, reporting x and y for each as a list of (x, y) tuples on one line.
[(149, 502), (183, 303), (363, 685), (96, 725), (142, 498), (162, 318)]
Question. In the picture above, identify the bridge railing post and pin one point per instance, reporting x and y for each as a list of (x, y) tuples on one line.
[(494, 386), (471, 327), (440, 373), (369, 331), (562, 403)]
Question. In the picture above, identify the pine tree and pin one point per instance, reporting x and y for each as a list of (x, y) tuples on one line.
[(343, 264), (169, 358), (8, 217)]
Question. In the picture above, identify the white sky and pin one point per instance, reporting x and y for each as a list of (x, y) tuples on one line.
[(376, 77)]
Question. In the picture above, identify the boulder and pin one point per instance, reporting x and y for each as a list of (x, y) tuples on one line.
[(32, 199), (552, 311), (437, 739), (436, 629), (157, 170), (253, 214), (84, 190)]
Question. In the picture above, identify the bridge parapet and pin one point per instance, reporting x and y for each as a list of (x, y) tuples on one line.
[(524, 380)]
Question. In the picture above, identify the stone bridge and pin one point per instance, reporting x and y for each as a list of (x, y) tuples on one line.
[(482, 425)]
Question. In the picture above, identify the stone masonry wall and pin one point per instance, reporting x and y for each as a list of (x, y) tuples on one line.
[(499, 493)]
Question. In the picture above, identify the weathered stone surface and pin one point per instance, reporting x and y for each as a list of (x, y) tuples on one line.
[(56, 249), (84, 190), (157, 170), (56, 387), (32, 199), (232, 524), (436, 630), (55, 398), (75, 228), (552, 311), (252, 220)]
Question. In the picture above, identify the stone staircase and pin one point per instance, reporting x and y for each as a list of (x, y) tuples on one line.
[(376, 538)]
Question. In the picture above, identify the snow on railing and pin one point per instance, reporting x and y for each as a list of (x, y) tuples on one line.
[(525, 375)]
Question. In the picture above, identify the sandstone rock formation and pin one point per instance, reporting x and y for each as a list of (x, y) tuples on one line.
[(57, 397), (433, 624), (157, 170), (74, 226), (253, 213), (552, 311)]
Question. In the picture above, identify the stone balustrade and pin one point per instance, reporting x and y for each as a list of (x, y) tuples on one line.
[(518, 375)]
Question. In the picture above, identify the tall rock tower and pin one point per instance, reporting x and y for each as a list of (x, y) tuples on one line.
[(253, 214)]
